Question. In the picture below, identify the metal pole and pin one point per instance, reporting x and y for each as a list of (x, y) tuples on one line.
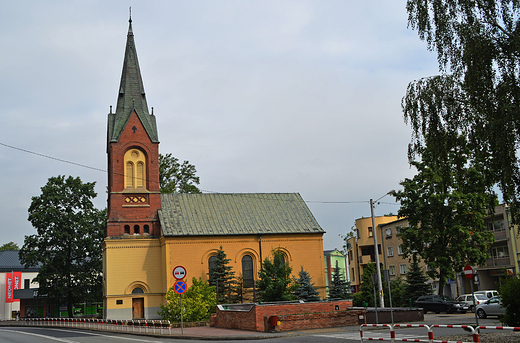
[(182, 324), (376, 253)]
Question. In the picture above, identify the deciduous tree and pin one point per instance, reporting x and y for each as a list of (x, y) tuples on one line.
[(9, 246), (445, 204), (198, 302), (67, 245), (477, 93), (175, 177)]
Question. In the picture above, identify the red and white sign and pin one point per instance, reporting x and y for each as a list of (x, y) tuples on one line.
[(13, 281), (468, 271), (179, 272)]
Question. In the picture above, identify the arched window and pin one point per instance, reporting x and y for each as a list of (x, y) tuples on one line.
[(137, 290), (212, 262), (127, 229), (146, 229), (135, 169), (136, 229), (247, 271)]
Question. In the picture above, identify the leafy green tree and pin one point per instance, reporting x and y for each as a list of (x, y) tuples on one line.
[(339, 287), (399, 296), (416, 281), (67, 246), (9, 246), (366, 293), (445, 204), (175, 177), (198, 302), (275, 283), (222, 277), (306, 290), (477, 91), (510, 294)]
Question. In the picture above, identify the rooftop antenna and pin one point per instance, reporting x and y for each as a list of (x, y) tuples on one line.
[(130, 14)]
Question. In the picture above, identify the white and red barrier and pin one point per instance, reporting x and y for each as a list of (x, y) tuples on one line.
[(392, 337)]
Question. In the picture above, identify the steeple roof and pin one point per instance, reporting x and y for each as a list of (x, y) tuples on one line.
[(132, 96)]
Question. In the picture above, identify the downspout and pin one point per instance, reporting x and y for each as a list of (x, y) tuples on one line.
[(260, 248)]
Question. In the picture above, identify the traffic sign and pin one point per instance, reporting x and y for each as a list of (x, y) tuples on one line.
[(179, 272), (180, 287), (468, 271)]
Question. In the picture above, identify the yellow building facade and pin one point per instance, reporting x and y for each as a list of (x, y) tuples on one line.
[(148, 234)]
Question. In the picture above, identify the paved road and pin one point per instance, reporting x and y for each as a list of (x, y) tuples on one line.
[(346, 334)]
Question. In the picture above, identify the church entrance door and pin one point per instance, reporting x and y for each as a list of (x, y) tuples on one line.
[(137, 308)]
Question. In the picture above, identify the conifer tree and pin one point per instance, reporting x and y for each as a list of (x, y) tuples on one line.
[(222, 277), (338, 288), (306, 290), (275, 282), (416, 282)]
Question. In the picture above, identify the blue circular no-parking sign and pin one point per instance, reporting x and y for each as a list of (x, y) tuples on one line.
[(180, 287)]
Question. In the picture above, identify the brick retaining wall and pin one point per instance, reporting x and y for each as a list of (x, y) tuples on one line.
[(290, 316)]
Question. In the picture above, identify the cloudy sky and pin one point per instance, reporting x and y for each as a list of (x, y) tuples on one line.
[(261, 96)]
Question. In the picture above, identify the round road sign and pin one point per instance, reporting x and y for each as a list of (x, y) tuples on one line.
[(179, 272), (468, 271), (180, 286)]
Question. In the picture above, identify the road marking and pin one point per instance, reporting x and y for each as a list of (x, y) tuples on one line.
[(42, 336)]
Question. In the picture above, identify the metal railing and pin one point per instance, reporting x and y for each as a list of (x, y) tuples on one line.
[(163, 327)]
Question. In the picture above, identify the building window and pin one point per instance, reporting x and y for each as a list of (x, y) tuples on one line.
[(135, 169), (146, 229), (137, 290), (398, 228), (127, 229), (27, 283), (400, 249), (212, 263), (390, 251), (353, 275), (136, 229), (388, 232), (500, 252), (392, 270), (370, 233), (247, 271), (499, 225), (402, 268)]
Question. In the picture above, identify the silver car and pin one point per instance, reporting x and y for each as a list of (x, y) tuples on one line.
[(468, 300), (492, 307)]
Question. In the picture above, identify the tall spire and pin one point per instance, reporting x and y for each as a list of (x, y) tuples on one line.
[(132, 96)]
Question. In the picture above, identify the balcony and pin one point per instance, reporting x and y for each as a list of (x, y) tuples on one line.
[(498, 262)]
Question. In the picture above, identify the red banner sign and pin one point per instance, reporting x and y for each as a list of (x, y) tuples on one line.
[(12, 281)]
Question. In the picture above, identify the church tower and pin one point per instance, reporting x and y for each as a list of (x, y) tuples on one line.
[(133, 156)]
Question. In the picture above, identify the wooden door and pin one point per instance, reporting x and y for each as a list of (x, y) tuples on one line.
[(138, 308)]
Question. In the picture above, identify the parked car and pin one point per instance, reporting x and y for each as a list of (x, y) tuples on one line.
[(491, 307), (438, 304), (489, 293), (468, 300)]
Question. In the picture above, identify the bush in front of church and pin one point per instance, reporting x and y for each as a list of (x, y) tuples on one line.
[(198, 302)]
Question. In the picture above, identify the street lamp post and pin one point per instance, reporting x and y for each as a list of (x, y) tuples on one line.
[(376, 252)]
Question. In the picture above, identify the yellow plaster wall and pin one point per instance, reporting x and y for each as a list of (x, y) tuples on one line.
[(193, 253), (130, 263)]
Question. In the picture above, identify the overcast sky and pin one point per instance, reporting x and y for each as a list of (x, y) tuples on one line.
[(261, 96)]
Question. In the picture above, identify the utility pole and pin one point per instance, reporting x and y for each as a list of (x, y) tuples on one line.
[(376, 254), (376, 250)]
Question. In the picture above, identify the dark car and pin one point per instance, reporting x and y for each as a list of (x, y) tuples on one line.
[(439, 303)]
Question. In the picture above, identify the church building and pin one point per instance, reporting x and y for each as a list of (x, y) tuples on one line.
[(149, 234)]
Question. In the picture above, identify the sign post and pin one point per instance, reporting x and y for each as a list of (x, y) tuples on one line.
[(180, 287), (468, 272)]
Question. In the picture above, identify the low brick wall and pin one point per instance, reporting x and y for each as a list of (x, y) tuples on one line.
[(401, 315), (289, 315)]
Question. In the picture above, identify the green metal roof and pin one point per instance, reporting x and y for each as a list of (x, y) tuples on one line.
[(235, 214), (132, 96)]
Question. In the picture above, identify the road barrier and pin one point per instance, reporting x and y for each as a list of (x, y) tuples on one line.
[(392, 338), (141, 326)]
